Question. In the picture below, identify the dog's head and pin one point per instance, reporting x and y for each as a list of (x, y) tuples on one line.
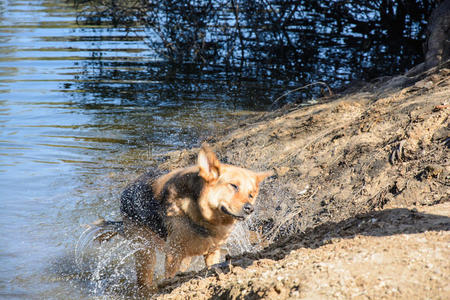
[(229, 192)]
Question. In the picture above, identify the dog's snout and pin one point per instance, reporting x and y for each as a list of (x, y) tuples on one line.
[(248, 208)]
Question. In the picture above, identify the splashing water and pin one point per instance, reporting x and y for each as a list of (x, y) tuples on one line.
[(241, 241), (109, 266)]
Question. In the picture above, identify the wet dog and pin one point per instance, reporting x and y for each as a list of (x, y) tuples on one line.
[(187, 212)]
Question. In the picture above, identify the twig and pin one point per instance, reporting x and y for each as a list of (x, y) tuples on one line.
[(238, 27), (303, 87)]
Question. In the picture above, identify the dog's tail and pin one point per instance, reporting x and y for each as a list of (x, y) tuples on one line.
[(106, 230), (99, 231)]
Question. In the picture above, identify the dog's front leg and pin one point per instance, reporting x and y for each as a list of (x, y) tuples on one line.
[(185, 263), (212, 258)]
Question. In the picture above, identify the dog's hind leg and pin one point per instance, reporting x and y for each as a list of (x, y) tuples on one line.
[(145, 260), (173, 263)]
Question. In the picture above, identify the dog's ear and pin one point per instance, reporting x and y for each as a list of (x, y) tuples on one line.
[(260, 176), (208, 163)]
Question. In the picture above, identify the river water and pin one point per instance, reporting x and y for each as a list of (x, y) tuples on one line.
[(82, 109)]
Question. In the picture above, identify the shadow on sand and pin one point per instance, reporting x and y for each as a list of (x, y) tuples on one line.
[(378, 223)]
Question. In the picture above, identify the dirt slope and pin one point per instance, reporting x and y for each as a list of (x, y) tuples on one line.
[(359, 206), (397, 253)]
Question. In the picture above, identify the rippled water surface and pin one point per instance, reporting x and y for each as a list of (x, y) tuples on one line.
[(81, 110)]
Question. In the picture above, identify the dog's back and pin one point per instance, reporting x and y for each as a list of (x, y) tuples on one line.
[(138, 204)]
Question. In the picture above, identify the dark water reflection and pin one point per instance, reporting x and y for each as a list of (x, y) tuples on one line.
[(158, 98), (81, 110), (293, 42)]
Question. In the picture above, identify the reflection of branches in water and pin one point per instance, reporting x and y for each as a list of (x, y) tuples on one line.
[(285, 40), (160, 104), (157, 83)]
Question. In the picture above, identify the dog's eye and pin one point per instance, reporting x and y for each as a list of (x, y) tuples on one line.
[(250, 196), (235, 187)]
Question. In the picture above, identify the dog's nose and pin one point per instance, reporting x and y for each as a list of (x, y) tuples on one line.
[(248, 208)]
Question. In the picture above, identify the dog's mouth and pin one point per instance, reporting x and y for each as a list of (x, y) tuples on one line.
[(226, 211)]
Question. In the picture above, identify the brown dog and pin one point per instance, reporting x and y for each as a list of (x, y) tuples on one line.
[(187, 212)]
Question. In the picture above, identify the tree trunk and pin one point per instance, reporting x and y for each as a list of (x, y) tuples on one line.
[(437, 45), (438, 36)]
